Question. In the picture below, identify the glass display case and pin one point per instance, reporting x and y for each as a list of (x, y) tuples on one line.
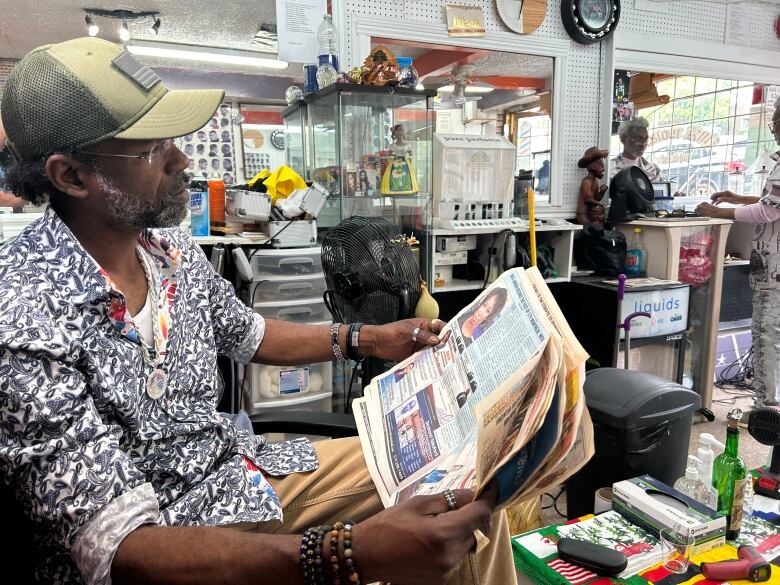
[(371, 147), (296, 138)]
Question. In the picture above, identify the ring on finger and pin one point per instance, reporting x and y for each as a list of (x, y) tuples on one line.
[(450, 497), (415, 333)]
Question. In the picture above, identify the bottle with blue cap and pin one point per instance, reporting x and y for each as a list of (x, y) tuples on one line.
[(408, 75)]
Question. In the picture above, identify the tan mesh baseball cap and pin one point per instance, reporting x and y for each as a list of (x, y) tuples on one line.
[(63, 97)]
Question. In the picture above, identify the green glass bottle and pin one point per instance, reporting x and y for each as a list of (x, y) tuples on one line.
[(728, 477)]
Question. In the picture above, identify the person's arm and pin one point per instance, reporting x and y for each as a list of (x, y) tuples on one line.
[(417, 542), (757, 213), (286, 343), (8, 199)]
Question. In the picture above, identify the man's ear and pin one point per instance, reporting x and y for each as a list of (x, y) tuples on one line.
[(69, 175)]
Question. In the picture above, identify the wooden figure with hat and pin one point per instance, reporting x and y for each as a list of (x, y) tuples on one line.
[(589, 205)]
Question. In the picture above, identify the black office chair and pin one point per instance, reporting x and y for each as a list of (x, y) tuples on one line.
[(16, 534)]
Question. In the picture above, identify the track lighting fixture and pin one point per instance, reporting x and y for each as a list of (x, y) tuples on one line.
[(92, 28), (124, 16), (124, 32)]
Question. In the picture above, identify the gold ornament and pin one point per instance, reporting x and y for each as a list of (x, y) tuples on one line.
[(427, 307), (355, 75)]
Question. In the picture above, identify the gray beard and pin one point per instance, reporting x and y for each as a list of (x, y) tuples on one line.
[(130, 210)]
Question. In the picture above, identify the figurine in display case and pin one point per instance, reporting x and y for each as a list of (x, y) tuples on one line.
[(589, 205), (399, 177)]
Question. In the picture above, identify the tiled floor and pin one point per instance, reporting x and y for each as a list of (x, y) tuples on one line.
[(754, 453)]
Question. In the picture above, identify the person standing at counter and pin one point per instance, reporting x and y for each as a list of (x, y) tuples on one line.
[(7, 199), (764, 213)]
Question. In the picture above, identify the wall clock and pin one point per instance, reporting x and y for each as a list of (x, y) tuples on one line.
[(277, 139), (590, 21), (522, 16)]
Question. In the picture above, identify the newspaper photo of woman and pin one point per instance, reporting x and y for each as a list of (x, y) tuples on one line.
[(478, 320)]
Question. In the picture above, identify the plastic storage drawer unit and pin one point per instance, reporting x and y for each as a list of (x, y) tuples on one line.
[(302, 311), (270, 386), (285, 288), (288, 262)]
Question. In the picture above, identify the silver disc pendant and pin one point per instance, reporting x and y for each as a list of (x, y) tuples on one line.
[(155, 386)]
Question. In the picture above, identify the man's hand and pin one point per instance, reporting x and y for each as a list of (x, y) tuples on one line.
[(710, 210), (420, 542), (726, 197), (397, 341)]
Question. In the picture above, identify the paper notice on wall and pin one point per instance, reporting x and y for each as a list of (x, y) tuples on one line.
[(737, 23), (297, 22)]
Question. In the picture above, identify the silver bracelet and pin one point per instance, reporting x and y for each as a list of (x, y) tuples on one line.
[(334, 337)]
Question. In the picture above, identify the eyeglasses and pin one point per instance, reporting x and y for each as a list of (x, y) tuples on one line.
[(674, 213), (151, 156)]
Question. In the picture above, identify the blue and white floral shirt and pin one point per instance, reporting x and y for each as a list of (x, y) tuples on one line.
[(90, 454)]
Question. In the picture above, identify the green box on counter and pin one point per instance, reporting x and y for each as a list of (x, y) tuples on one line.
[(653, 505)]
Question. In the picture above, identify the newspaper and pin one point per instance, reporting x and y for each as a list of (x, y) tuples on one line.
[(499, 400)]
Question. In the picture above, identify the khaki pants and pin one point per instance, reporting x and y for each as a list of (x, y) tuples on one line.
[(342, 488)]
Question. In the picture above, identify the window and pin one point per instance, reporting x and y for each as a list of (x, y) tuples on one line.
[(709, 129)]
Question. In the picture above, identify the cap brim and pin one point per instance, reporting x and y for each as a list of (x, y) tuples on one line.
[(177, 113)]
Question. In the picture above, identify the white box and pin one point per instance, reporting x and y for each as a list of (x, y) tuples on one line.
[(300, 233), (451, 258), (473, 168), (455, 243)]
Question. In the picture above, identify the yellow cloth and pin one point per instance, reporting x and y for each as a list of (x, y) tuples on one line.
[(282, 182), (262, 175)]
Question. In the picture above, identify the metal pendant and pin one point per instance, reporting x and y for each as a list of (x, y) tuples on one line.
[(155, 386)]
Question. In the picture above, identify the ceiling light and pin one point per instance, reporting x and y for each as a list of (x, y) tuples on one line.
[(476, 87), (124, 32), (156, 25), (92, 28), (206, 54)]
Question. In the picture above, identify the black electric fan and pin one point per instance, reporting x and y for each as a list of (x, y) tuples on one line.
[(372, 277), (631, 195), (370, 271), (764, 427)]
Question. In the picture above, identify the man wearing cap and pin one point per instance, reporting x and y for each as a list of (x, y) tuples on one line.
[(589, 205), (110, 325)]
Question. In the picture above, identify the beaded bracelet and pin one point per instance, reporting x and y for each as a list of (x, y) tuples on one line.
[(311, 555), (334, 337), (334, 553), (349, 559)]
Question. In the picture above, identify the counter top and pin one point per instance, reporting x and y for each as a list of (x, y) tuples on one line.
[(675, 222)]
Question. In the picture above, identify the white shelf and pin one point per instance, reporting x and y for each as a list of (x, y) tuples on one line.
[(457, 284), (492, 229), (304, 398)]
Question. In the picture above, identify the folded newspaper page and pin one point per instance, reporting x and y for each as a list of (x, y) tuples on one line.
[(499, 400)]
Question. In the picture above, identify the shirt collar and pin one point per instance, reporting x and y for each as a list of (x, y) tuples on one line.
[(57, 241)]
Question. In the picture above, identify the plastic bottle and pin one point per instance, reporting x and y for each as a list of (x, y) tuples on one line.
[(328, 38), (636, 255), (216, 199), (706, 456), (690, 484), (408, 76), (199, 208), (326, 74)]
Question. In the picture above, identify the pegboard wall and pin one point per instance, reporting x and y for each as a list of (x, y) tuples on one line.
[(702, 21), (580, 124)]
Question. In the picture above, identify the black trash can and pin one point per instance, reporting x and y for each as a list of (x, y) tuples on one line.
[(641, 424)]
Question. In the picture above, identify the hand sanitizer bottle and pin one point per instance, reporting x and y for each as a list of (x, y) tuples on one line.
[(706, 456), (690, 484)]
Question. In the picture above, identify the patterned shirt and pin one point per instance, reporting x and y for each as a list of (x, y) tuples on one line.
[(90, 453), (765, 253), (652, 170)]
